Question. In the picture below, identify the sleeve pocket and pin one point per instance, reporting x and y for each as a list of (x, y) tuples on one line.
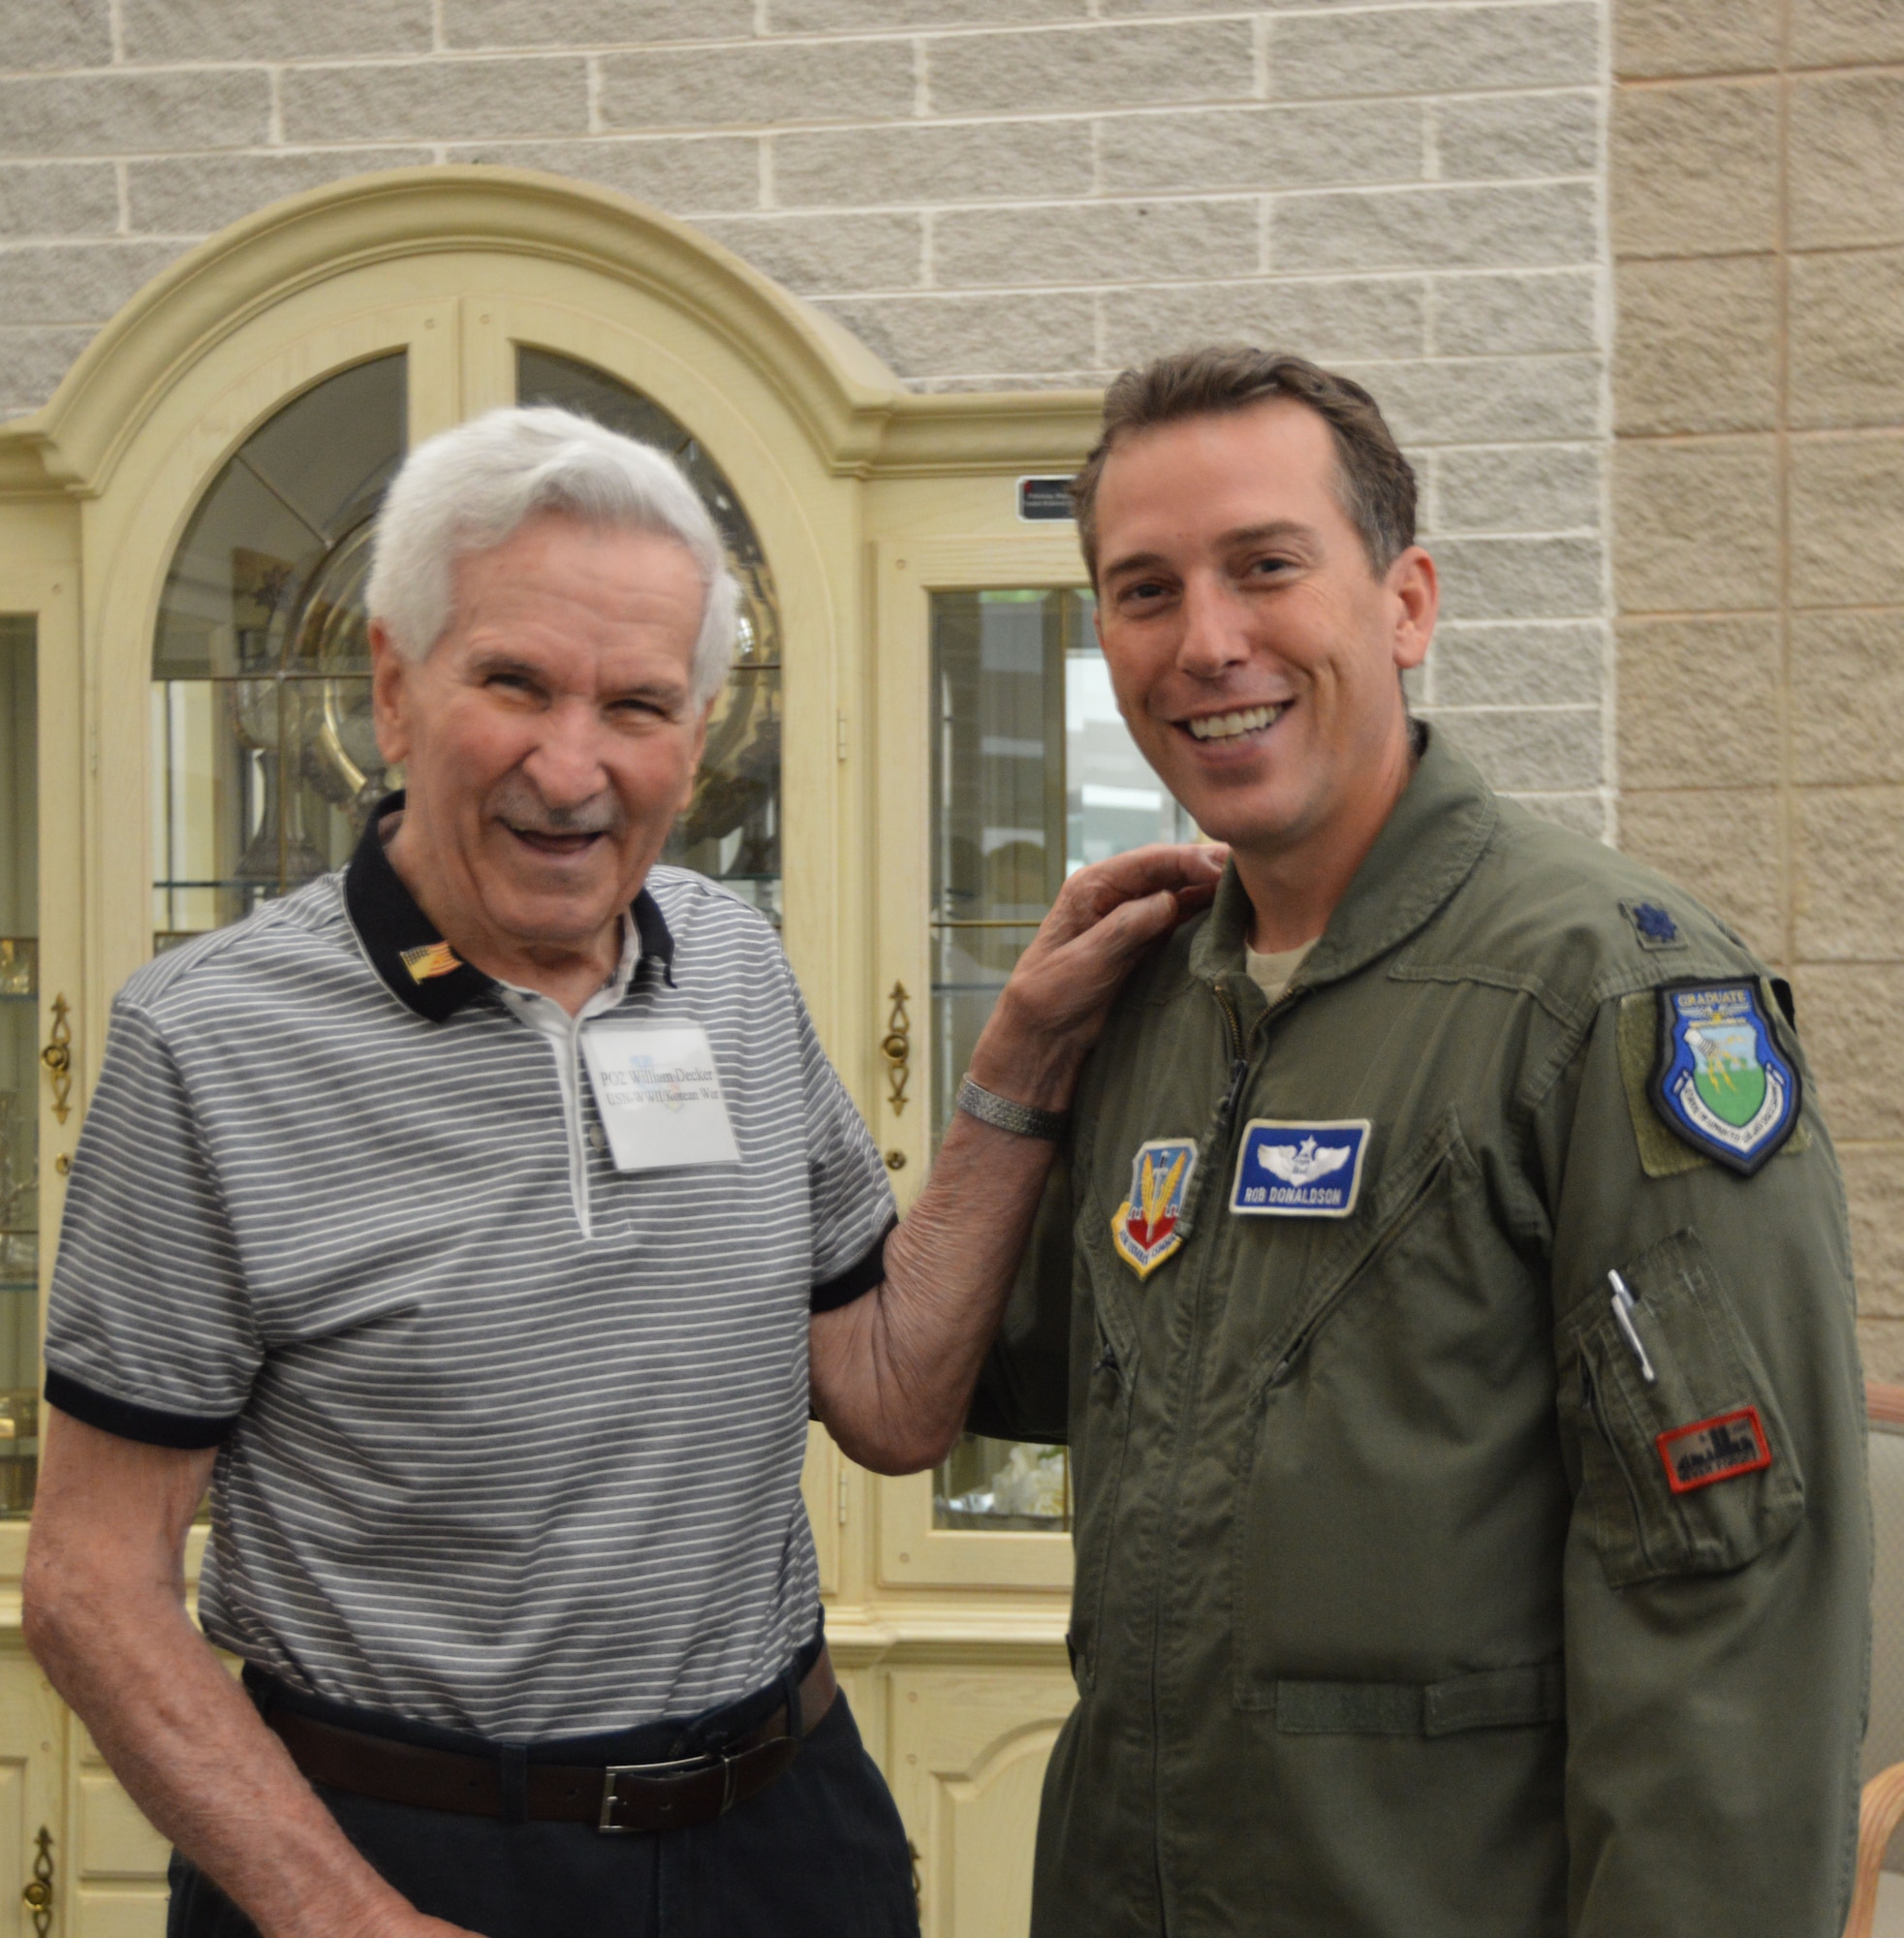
[(1693, 1471)]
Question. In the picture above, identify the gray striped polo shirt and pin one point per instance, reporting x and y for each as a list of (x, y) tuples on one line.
[(509, 1440)]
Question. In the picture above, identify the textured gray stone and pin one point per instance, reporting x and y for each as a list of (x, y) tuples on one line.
[(1316, 317), (1552, 487), (55, 33), (859, 16), (1695, 525), (1073, 69), (57, 199), (1515, 137), (192, 195), (1658, 38), (1698, 344), (164, 32), (1512, 316), (589, 24), (1695, 168), (1100, 242), (1847, 348), (1434, 228), (1582, 813), (1545, 750), (685, 175), (820, 253), (975, 337), (757, 86), (121, 113), (1826, 33), (1561, 663), (1724, 839), (928, 163), (436, 100), (1848, 853), (1434, 50), (32, 361), (1262, 147), (1519, 578), (76, 282), (1486, 399), (1846, 160)]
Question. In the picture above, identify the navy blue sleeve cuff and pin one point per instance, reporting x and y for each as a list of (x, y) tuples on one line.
[(144, 1424), (858, 1278)]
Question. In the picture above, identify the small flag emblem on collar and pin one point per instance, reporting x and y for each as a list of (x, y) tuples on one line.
[(429, 960)]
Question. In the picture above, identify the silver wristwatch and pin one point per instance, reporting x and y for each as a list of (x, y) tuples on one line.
[(1022, 1120)]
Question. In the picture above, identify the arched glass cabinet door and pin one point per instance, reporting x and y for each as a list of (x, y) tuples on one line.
[(264, 760)]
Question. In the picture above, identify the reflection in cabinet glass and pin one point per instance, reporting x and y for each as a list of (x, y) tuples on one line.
[(732, 829), (1033, 775), (264, 760), (20, 1063)]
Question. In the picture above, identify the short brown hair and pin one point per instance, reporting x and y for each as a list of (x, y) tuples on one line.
[(1375, 482)]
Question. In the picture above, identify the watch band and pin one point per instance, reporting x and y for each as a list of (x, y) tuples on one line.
[(1022, 1120)]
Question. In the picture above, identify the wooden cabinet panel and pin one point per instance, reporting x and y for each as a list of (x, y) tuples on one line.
[(967, 1766), (32, 1740)]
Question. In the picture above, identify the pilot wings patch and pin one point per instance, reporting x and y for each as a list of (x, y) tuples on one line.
[(1299, 1170)]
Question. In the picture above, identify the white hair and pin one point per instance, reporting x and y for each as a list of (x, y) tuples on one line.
[(468, 489)]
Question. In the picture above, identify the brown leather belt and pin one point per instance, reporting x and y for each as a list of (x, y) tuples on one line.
[(611, 1797)]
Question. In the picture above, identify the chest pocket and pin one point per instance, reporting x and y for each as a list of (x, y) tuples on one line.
[(1691, 1472)]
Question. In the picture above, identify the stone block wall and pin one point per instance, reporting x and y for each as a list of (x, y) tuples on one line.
[(991, 193), (1758, 222)]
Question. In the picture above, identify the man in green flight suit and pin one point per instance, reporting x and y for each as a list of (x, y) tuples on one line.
[(1445, 1296)]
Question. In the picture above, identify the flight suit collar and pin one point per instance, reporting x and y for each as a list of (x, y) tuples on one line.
[(1425, 851)]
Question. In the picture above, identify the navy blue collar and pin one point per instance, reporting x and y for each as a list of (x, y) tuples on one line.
[(405, 948)]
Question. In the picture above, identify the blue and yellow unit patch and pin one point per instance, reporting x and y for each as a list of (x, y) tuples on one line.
[(1720, 1081), (1146, 1228)]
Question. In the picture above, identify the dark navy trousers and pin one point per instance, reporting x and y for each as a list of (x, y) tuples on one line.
[(818, 1854)]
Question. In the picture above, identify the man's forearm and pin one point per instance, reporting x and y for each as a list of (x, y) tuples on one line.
[(914, 1345), (186, 1742)]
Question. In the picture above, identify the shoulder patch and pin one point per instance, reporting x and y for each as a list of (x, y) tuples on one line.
[(1653, 926), (1719, 1080)]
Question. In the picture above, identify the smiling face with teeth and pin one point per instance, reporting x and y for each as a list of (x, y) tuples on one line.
[(1255, 650)]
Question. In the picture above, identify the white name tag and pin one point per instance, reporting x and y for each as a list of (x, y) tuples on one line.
[(660, 1096)]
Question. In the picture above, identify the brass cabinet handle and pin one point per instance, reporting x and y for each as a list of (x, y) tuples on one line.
[(57, 1057), (38, 1897), (897, 1046)]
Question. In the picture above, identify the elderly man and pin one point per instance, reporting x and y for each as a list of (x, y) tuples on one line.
[(1450, 1303), (482, 1223)]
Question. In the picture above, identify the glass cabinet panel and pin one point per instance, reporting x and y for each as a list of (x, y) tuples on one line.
[(1033, 775), (732, 829), (19, 1064), (264, 760)]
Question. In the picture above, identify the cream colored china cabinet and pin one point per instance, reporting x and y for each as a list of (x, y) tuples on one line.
[(917, 743)]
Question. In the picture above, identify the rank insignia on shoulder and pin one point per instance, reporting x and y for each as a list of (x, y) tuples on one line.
[(1655, 928), (1720, 1448), (1299, 1170), (1719, 1080), (1144, 1228)]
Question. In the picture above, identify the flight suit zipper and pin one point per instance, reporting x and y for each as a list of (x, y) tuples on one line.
[(1219, 1142)]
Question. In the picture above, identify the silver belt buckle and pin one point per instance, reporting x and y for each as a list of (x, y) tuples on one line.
[(680, 1766)]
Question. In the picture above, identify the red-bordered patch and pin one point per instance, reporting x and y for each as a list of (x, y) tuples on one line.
[(1719, 1449)]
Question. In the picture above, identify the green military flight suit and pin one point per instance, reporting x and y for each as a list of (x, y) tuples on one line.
[(1391, 1619)]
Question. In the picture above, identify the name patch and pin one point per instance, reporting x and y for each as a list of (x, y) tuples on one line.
[(660, 1096), (1299, 1170), (1720, 1448)]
